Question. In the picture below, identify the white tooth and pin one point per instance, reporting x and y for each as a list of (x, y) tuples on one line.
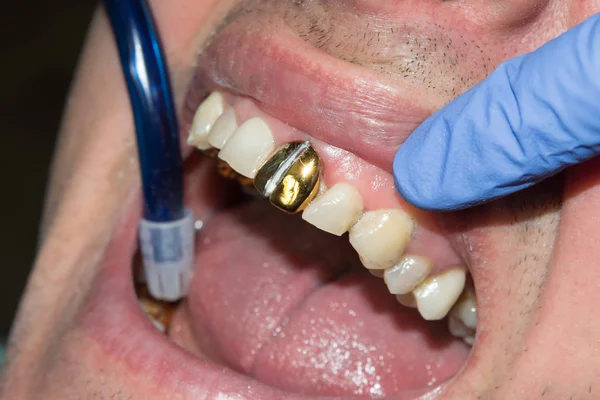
[(223, 129), (465, 309), (462, 320), (408, 273), (147, 307), (158, 325), (206, 115), (407, 300), (380, 237), (336, 210), (249, 147), (437, 294), (457, 328)]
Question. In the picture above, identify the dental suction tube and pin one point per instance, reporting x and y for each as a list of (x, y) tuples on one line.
[(167, 227)]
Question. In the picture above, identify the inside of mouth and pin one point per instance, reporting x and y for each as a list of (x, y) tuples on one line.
[(291, 306)]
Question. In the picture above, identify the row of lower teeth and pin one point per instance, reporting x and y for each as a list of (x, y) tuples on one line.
[(462, 320), (290, 178)]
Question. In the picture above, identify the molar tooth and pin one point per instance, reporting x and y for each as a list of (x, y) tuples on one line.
[(249, 147), (290, 178), (457, 328), (336, 210), (204, 118), (408, 273), (437, 294), (380, 237), (465, 309), (470, 340), (223, 128), (159, 312)]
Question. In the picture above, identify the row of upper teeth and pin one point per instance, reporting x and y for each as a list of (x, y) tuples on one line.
[(290, 178)]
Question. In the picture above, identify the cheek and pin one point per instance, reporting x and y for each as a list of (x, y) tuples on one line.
[(184, 24), (509, 246)]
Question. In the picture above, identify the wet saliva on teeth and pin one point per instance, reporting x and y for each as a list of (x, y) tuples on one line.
[(289, 176)]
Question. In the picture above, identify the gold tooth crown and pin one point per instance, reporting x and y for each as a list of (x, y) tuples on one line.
[(290, 178)]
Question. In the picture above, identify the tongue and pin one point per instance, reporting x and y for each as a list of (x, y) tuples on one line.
[(276, 299)]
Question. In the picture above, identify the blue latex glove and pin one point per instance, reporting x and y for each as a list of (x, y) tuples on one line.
[(532, 117)]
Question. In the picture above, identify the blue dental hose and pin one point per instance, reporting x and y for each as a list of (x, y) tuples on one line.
[(167, 227)]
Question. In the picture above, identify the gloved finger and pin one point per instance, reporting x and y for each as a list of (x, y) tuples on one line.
[(532, 117)]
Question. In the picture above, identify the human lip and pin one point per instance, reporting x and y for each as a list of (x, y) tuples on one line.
[(345, 106)]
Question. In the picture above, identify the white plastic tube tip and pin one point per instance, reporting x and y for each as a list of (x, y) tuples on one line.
[(168, 256)]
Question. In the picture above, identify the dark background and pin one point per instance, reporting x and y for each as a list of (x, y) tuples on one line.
[(41, 43)]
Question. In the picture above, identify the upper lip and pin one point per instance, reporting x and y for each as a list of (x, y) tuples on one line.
[(343, 105)]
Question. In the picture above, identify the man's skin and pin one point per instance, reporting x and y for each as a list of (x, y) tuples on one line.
[(533, 256)]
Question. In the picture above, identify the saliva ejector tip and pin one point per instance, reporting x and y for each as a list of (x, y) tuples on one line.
[(168, 255)]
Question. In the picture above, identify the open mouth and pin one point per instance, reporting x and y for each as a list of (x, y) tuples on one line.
[(286, 301), (294, 308), (356, 294)]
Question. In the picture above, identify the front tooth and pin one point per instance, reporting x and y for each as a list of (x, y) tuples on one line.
[(290, 179), (249, 147), (204, 118), (380, 237), (223, 129), (336, 210), (408, 273), (437, 294)]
